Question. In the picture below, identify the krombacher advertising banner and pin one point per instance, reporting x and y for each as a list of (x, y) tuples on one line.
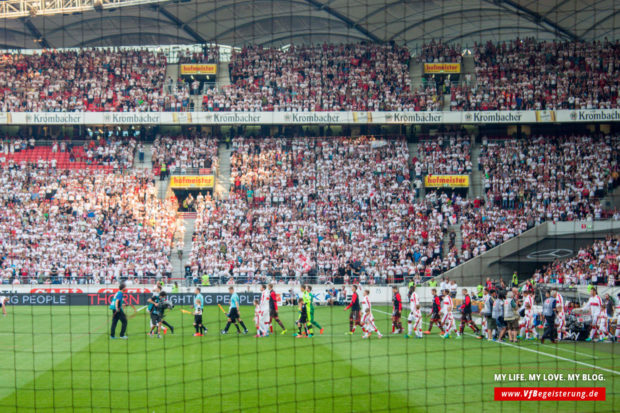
[(442, 68), (192, 181), (446, 181), (306, 118)]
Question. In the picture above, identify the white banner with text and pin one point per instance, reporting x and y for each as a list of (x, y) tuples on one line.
[(308, 118)]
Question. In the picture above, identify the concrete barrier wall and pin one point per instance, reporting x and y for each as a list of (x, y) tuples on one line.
[(488, 264)]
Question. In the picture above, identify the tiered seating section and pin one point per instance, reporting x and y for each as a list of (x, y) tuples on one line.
[(95, 156), (520, 74), (83, 226)]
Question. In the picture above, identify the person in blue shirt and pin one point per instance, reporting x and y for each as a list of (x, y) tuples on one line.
[(118, 314), (199, 302), (234, 316)]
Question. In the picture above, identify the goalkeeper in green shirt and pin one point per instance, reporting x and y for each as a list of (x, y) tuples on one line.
[(312, 297), (303, 322)]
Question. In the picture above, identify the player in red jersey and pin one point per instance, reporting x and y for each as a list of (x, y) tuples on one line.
[(354, 317), (273, 310), (397, 309), (435, 313), (466, 315)]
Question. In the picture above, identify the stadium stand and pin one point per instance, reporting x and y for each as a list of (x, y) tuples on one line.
[(558, 178), (444, 155), (88, 80), (101, 154), (437, 51), (332, 210), (83, 226), (185, 153), (596, 264), (530, 74), (517, 75)]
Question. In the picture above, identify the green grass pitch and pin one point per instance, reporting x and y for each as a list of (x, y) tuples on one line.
[(61, 359)]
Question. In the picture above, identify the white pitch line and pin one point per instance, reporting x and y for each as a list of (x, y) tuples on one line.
[(543, 353), (559, 357), (379, 311), (575, 352)]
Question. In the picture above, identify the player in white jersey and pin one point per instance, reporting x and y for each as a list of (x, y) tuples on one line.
[(447, 319), (560, 318), (366, 301), (3, 302), (617, 339), (415, 316), (485, 301), (257, 316), (368, 320), (527, 321), (599, 316), (263, 322)]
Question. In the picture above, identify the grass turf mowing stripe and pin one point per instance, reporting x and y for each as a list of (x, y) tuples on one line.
[(332, 372), (543, 353)]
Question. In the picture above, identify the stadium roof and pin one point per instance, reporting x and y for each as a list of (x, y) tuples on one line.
[(282, 22)]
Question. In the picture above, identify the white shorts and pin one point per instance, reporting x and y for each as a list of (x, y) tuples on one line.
[(414, 316), (447, 318), (368, 319), (415, 319), (264, 317), (601, 323)]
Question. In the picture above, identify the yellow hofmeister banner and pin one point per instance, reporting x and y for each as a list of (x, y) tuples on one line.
[(192, 181), (198, 69), (450, 181), (442, 68)]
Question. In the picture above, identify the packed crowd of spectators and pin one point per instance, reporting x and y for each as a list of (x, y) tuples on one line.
[(118, 152), (208, 54), (448, 154), (360, 77), (526, 182), (183, 153), (306, 207), (88, 80), (517, 75), (558, 178), (439, 52), (538, 179), (82, 226), (337, 209), (596, 264), (528, 74)]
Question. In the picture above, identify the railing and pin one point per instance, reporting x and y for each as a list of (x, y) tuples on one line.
[(172, 52)]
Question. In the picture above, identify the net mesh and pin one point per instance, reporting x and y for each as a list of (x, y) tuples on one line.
[(511, 211)]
